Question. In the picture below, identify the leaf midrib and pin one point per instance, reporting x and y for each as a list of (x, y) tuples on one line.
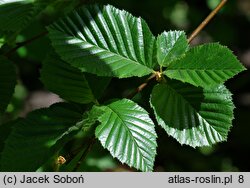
[(104, 49), (170, 51), (129, 134)]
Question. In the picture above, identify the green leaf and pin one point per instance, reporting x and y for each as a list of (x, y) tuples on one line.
[(88, 124), (5, 130), (104, 41), (15, 15), (192, 115), (97, 84), (7, 82), (128, 133), (66, 81), (171, 46), (34, 140), (206, 65)]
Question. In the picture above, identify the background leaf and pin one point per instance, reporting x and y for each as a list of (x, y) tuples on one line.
[(171, 45), (15, 15), (5, 130), (7, 82), (36, 139), (66, 81), (128, 133), (104, 41), (192, 115), (206, 65), (97, 84)]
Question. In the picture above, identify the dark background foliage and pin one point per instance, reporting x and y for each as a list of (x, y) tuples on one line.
[(231, 27)]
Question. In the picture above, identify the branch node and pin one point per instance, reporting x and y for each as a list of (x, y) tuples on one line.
[(158, 76)]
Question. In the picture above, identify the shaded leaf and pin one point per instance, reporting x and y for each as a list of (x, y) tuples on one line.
[(206, 65), (34, 140), (7, 82), (97, 84), (15, 15), (66, 81), (128, 133), (5, 130), (192, 115), (104, 41)]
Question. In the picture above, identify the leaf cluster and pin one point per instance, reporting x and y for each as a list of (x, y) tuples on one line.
[(91, 45)]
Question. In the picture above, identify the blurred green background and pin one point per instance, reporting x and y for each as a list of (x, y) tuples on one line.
[(231, 27)]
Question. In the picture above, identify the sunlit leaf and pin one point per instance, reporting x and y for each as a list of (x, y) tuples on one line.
[(128, 133), (171, 46), (206, 66), (104, 41)]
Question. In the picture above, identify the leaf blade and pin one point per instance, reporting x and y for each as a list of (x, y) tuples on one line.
[(66, 81), (107, 38), (34, 140), (15, 15), (7, 82), (205, 66), (128, 133), (11, 10), (171, 46), (193, 116)]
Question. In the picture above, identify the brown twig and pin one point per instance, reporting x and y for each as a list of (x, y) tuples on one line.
[(21, 44), (141, 87), (206, 21), (192, 36), (85, 153)]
